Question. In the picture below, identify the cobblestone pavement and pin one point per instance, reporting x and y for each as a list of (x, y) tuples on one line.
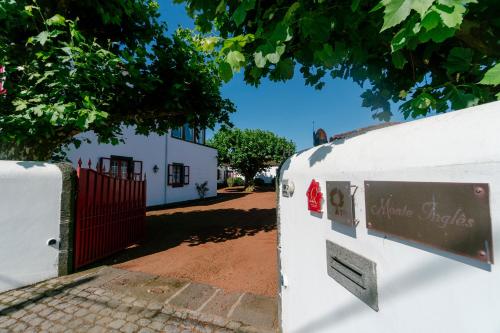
[(113, 300)]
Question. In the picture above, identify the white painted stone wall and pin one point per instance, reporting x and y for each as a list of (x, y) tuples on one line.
[(420, 289), (157, 150), (30, 208)]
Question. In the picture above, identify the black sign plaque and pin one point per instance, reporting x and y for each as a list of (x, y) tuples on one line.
[(454, 217)]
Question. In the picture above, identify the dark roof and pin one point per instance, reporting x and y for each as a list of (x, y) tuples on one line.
[(359, 131)]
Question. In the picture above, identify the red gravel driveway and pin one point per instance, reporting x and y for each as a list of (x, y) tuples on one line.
[(229, 242)]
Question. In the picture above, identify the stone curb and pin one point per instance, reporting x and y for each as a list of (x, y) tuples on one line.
[(211, 320), (187, 314), (94, 283)]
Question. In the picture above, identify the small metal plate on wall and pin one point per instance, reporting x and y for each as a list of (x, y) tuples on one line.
[(354, 272), (287, 188), (340, 202), (453, 217)]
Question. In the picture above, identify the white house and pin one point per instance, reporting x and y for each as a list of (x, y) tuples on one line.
[(268, 175), (174, 163), (224, 172)]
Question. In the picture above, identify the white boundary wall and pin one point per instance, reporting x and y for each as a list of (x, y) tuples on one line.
[(30, 208), (420, 289)]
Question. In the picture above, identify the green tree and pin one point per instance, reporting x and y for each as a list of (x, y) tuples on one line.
[(426, 55), (75, 66), (250, 151)]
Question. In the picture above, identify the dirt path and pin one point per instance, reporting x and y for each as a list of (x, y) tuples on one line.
[(229, 242)]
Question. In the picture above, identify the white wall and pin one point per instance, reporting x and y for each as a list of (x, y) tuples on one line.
[(420, 289), (148, 149), (202, 161), (30, 203)]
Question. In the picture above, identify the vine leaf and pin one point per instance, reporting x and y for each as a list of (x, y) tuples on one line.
[(225, 71), (260, 59), (492, 76), (451, 16), (56, 20), (396, 11), (461, 100), (458, 60), (235, 60), (284, 70)]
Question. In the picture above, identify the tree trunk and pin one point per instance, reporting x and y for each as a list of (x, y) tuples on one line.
[(249, 182)]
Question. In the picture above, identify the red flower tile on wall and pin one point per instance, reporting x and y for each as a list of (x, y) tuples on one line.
[(314, 197)]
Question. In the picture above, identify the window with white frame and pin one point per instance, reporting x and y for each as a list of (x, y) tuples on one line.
[(121, 167)]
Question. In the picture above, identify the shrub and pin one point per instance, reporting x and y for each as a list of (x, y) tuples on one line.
[(235, 181), (250, 188), (259, 182)]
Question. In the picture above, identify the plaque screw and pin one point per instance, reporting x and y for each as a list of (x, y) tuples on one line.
[(482, 253), (479, 190), (370, 224)]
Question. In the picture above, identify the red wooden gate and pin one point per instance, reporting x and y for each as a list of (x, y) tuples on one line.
[(110, 212)]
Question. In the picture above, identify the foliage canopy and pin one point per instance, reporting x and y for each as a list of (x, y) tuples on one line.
[(426, 55), (251, 151), (74, 66)]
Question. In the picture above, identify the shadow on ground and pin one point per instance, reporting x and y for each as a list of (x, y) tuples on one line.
[(170, 229), (43, 293), (240, 190), (227, 195)]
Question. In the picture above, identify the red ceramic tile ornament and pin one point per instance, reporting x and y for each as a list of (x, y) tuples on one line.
[(314, 197)]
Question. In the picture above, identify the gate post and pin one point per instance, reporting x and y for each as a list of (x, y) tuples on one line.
[(67, 220)]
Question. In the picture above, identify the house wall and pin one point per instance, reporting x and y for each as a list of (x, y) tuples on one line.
[(152, 150), (148, 149), (202, 161), (420, 289), (30, 209), (222, 172)]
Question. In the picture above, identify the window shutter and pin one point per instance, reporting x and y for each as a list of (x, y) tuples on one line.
[(170, 177), (186, 175)]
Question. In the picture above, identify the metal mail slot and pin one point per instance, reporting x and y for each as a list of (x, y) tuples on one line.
[(354, 272)]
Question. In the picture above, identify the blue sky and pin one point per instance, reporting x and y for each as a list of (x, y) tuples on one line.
[(290, 108)]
